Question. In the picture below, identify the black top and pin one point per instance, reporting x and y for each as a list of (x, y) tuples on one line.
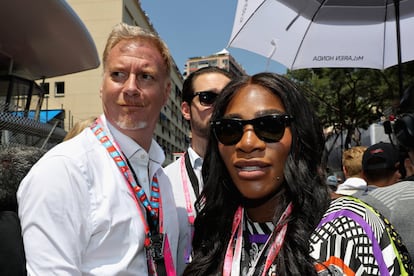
[(12, 257)]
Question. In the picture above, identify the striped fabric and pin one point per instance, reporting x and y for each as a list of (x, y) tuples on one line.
[(255, 236), (354, 239), (396, 203)]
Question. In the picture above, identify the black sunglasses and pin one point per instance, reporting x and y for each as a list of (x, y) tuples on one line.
[(269, 128), (206, 98)]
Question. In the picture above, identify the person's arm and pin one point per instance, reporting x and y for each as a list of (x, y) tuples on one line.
[(53, 209), (347, 252), (331, 260)]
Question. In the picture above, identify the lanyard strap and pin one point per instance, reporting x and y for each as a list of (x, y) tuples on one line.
[(151, 206), (234, 248), (191, 174), (188, 203), (156, 243)]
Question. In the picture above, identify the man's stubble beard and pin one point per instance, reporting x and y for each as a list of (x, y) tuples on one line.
[(132, 126), (200, 129)]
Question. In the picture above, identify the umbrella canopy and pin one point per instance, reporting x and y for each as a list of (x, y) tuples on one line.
[(43, 39), (325, 33)]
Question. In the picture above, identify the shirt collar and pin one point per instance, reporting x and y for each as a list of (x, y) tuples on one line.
[(195, 159), (129, 147)]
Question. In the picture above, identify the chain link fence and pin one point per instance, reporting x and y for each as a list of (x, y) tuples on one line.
[(17, 129)]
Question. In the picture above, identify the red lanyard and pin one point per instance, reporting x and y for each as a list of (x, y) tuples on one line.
[(189, 207), (234, 248), (155, 244), (153, 206)]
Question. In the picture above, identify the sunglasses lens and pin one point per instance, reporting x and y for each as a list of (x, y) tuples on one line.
[(269, 128), (207, 98), (228, 131)]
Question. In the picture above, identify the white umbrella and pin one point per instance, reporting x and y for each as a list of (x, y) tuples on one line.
[(326, 33)]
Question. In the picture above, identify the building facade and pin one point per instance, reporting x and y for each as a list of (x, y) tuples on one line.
[(30, 51), (222, 59), (78, 94)]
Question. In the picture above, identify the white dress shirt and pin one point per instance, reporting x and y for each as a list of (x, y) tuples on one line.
[(78, 215), (174, 172)]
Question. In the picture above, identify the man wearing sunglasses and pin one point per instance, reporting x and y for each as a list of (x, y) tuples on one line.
[(200, 90)]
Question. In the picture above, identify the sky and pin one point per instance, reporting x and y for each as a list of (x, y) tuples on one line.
[(194, 28)]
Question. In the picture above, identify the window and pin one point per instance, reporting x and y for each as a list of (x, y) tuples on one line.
[(59, 88), (213, 62), (203, 63)]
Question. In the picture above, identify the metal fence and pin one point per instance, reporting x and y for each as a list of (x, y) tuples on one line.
[(18, 129)]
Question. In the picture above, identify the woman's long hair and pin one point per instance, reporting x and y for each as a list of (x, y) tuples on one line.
[(304, 186)]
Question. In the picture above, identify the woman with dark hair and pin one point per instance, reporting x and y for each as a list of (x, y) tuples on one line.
[(264, 191), (269, 166)]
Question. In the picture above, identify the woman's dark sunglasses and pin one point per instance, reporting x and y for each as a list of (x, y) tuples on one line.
[(206, 98), (269, 128)]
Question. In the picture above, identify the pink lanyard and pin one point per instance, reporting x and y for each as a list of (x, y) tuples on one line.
[(153, 206), (189, 207), (235, 246), (188, 204)]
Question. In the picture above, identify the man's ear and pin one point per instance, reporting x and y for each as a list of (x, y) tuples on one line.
[(186, 110)]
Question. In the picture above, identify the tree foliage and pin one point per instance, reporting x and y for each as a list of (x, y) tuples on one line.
[(348, 99)]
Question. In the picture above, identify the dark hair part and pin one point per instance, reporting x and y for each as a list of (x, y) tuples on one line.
[(304, 186), (188, 85), (379, 174)]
